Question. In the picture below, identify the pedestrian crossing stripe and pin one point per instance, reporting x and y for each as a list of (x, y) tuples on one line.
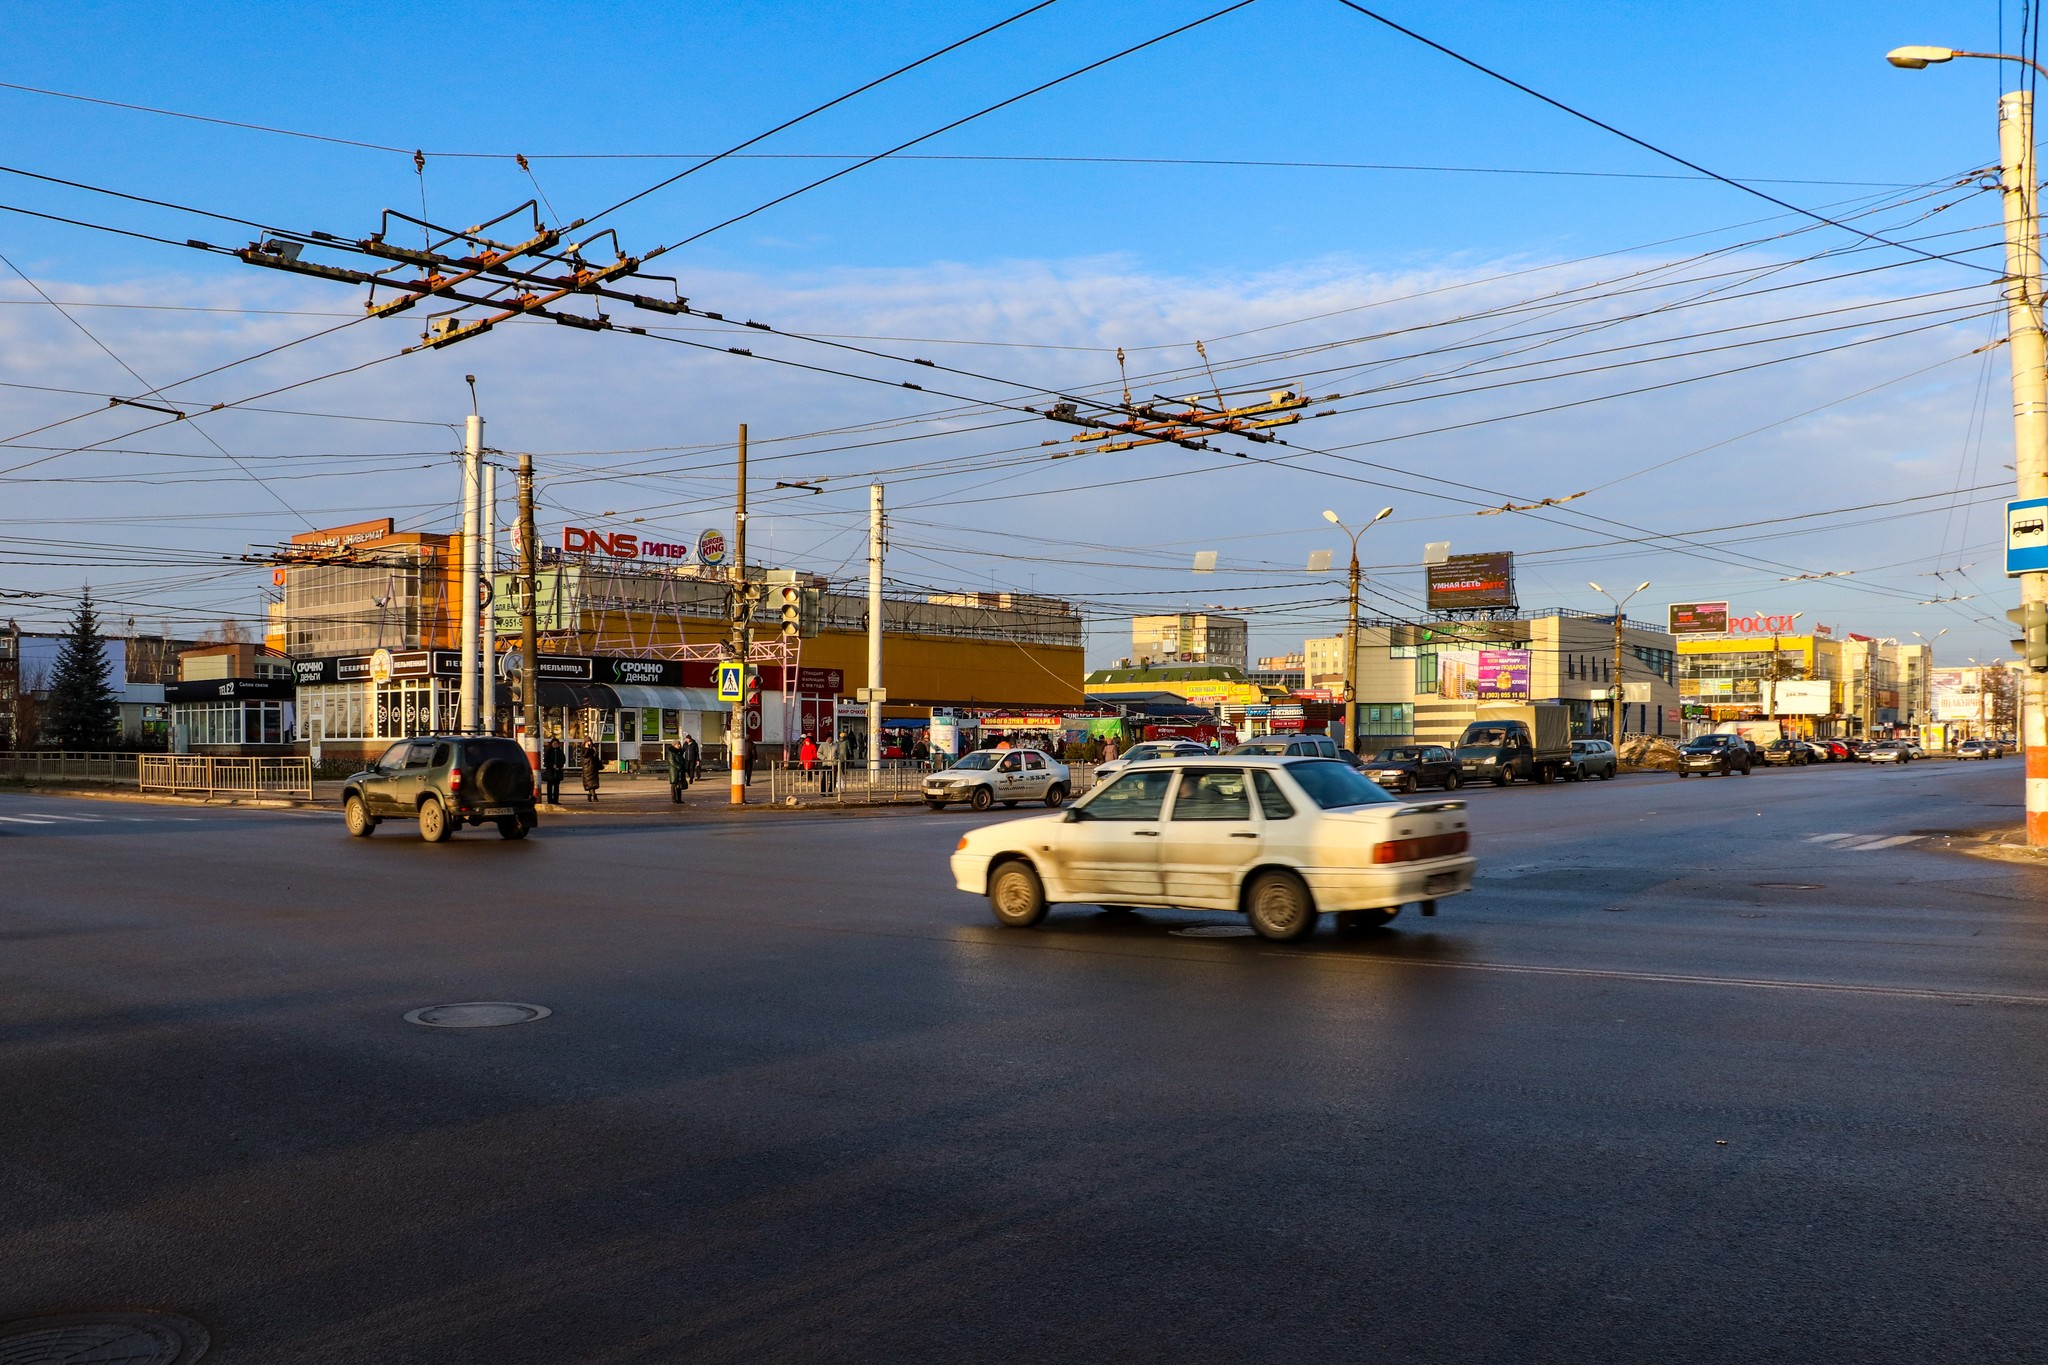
[(1864, 843)]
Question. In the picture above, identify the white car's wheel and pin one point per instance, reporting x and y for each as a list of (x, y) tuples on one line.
[(1016, 895), (983, 798), (1279, 907)]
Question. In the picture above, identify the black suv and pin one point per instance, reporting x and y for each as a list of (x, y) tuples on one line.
[(1723, 754), (444, 781)]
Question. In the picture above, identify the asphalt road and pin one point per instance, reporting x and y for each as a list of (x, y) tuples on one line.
[(1684, 1079)]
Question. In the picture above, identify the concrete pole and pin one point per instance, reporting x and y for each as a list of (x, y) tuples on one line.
[(742, 633), (2029, 406), (874, 634), (1614, 730), (487, 673), (529, 643), (472, 495), (1351, 656)]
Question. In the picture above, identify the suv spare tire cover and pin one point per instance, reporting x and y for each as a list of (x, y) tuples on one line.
[(503, 780)]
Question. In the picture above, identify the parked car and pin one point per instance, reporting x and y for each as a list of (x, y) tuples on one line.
[(444, 782), (1594, 758), (1709, 754), (1913, 748), (1407, 767), (1787, 753), (1146, 752), (1279, 840), (1888, 751), (987, 776), (1286, 746), (1976, 748), (1835, 750)]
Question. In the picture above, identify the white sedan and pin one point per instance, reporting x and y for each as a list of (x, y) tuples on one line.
[(1150, 751), (987, 776), (1278, 840)]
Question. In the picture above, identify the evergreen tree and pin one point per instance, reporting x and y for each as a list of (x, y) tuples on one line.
[(84, 711)]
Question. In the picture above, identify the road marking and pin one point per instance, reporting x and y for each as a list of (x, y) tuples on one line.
[(1892, 842), (1827, 838), (1863, 843), (27, 819), (81, 819)]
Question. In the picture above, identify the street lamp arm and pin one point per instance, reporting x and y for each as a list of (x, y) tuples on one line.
[(1917, 58)]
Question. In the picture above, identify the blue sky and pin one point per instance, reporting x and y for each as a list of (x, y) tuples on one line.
[(1041, 256)]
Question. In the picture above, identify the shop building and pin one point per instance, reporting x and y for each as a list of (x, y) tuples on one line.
[(1423, 682), (231, 699), (629, 648), (1815, 685)]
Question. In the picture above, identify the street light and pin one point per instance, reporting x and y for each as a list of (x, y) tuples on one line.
[(2019, 183), (1619, 603), (1351, 625)]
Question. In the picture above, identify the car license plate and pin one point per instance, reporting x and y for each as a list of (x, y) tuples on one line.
[(1440, 882), (497, 810)]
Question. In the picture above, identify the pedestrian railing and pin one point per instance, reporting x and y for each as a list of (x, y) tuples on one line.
[(203, 775), (37, 765), (896, 780)]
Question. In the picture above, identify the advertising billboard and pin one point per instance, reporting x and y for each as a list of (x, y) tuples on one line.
[(1953, 693), (1472, 582), (1699, 618), (554, 599), (1799, 697), (1483, 674)]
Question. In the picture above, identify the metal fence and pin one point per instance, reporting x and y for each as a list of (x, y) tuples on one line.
[(34, 765), (201, 775), (852, 783)]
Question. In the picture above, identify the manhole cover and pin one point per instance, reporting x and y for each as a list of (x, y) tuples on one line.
[(102, 1339), (1213, 931), (470, 1014), (1789, 886)]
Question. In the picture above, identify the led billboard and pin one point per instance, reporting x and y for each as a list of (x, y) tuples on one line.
[(1472, 582), (1699, 618)]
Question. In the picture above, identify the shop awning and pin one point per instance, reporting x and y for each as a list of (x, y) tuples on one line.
[(669, 698), (577, 696)]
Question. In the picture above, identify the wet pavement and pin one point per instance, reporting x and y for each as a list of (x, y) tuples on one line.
[(1702, 1070)]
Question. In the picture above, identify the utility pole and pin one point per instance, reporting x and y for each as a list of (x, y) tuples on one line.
[(529, 642), (472, 492), (874, 688), (2029, 407), (1351, 625), (1614, 694), (742, 633), (1616, 728), (487, 607)]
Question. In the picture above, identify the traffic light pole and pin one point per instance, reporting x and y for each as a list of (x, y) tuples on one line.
[(2029, 408), (742, 633)]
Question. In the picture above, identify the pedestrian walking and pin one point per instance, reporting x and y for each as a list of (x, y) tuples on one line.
[(552, 761), (693, 758), (1109, 749), (753, 751), (678, 772), (593, 764)]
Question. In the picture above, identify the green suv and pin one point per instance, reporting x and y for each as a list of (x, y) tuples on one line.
[(444, 781)]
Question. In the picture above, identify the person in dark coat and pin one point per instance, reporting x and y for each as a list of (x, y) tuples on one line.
[(693, 758), (552, 762), (593, 764), (678, 772)]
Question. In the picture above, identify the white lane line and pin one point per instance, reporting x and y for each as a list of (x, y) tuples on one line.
[(1827, 838), (81, 819), (1892, 842), (27, 819)]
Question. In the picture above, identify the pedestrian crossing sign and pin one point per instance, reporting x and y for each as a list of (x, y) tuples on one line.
[(731, 681)]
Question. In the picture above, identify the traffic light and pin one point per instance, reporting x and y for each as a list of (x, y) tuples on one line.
[(813, 615), (2032, 644), (753, 702), (791, 598)]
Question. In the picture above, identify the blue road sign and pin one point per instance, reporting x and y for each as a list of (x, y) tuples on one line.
[(2026, 536), (731, 682)]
